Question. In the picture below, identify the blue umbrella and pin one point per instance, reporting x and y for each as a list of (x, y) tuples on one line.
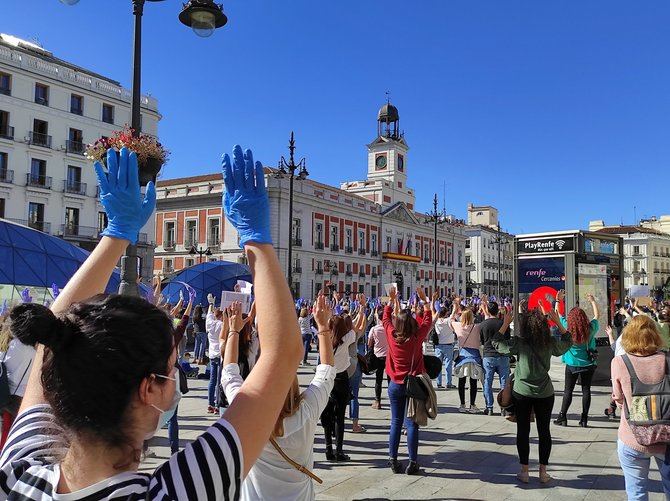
[(206, 278), (30, 258)]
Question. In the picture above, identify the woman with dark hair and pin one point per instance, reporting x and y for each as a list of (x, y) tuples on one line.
[(580, 360), (332, 417), (405, 337), (104, 376), (533, 345), (200, 335)]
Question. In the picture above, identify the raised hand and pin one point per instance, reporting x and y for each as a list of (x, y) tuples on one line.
[(590, 298), (127, 210), (245, 201), (210, 298), (392, 294), (422, 295), (236, 322), (322, 313)]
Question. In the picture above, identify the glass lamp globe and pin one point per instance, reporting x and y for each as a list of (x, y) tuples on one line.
[(203, 23)]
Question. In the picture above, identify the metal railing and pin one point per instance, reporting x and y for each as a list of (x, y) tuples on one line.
[(374, 253), (37, 225), (6, 176), (213, 242), (373, 274), (297, 242), (334, 247), (7, 132), (75, 230), (6, 91), (190, 242), (39, 139), (297, 269), (75, 187), (76, 147), (39, 181), (318, 245), (168, 269), (334, 272), (319, 271), (361, 274), (361, 252), (169, 244), (348, 250)]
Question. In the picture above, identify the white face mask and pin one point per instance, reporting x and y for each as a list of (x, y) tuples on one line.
[(165, 415)]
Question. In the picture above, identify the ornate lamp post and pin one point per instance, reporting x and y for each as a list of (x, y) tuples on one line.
[(499, 240), (200, 252), (284, 169), (203, 16), (436, 218)]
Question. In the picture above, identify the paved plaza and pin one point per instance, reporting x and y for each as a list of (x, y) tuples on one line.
[(462, 456)]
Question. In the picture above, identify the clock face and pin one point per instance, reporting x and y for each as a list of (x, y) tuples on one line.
[(380, 162), (401, 163)]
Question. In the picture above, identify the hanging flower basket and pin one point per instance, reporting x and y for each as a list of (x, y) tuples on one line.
[(151, 155)]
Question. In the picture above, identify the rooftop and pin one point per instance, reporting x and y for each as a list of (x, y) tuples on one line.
[(627, 229)]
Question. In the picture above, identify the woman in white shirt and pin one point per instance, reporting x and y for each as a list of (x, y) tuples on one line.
[(332, 418), (444, 349), (17, 355), (272, 477)]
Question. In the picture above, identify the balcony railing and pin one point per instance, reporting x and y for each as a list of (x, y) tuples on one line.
[(190, 242), (319, 271), (39, 139), (334, 272), (169, 244), (7, 132), (297, 242), (318, 245), (348, 250), (213, 242), (297, 269), (75, 230), (76, 187), (374, 253), (373, 274), (361, 274), (76, 147), (361, 252), (6, 91), (168, 269), (334, 247), (426, 261), (36, 225), (348, 273), (38, 181), (6, 176)]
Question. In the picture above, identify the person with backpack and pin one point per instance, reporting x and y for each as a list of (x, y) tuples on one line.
[(640, 386)]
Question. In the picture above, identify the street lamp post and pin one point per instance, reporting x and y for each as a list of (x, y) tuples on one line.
[(200, 252), (203, 16), (436, 218), (499, 240), (288, 168)]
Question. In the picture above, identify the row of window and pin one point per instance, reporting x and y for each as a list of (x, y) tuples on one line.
[(42, 92), (657, 251), (191, 233), (38, 175), (36, 216)]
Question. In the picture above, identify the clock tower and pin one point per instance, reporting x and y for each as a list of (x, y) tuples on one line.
[(386, 181)]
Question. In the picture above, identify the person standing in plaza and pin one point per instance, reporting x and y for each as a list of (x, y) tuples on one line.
[(533, 345), (200, 332), (444, 349), (357, 324), (494, 361), (379, 344), (469, 363), (580, 360), (304, 322), (405, 336), (643, 346), (213, 325)]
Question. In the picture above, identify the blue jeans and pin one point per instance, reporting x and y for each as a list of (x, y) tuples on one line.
[(173, 431), (445, 352), (398, 403), (214, 378), (200, 345), (307, 342), (635, 466), (499, 364), (355, 385)]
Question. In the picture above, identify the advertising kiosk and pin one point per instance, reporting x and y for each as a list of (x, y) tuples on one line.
[(579, 262)]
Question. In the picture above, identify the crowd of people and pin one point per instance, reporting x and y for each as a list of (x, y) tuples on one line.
[(91, 378)]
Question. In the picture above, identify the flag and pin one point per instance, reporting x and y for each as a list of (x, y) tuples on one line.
[(400, 245), (408, 247)]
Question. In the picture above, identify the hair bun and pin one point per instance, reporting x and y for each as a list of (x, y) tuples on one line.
[(33, 323)]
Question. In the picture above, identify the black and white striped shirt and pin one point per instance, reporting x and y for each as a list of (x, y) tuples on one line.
[(208, 468)]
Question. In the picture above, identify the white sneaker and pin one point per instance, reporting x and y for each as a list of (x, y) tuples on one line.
[(463, 409), (474, 410)]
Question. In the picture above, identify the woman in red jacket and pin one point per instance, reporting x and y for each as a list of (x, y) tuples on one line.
[(405, 336)]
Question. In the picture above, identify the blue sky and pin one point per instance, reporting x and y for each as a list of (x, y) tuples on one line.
[(555, 112)]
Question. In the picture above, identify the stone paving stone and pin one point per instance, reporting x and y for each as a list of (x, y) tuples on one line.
[(462, 456)]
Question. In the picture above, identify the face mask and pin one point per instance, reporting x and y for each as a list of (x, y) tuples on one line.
[(165, 415)]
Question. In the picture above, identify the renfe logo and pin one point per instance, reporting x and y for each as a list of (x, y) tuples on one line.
[(536, 273), (540, 244)]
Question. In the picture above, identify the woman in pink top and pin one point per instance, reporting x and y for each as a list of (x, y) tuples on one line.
[(469, 363), (642, 343), (377, 342)]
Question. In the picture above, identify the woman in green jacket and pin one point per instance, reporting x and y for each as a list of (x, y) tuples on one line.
[(533, 345)]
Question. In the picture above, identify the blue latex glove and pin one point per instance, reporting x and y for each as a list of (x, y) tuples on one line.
[(127, 211), (245, 201)]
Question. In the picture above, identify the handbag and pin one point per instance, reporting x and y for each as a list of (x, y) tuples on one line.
[(364, 365), (295, 465), (433, 365), (414, 387), (434, 338), (372, 361), (183, 380)]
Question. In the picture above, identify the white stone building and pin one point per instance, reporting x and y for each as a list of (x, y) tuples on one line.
[(49, 110), (489, 253), (646, 253), (358, 236)]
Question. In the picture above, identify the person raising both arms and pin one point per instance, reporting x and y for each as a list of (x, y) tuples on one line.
[(83, 421), (272, 476)]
